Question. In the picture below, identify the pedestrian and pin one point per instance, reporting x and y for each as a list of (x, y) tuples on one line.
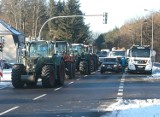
[(123, 64)]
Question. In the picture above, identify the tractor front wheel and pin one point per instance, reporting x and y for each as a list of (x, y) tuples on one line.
[(48, 76), (16, 76)]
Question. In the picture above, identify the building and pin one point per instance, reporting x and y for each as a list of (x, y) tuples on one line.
[(12, 39)]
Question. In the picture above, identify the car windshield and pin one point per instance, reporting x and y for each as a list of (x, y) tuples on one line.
[(140, 53), (103, 54), (118, 53)]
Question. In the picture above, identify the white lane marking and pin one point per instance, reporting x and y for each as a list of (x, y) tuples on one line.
[(9, 110), (121, 87), (70, 83), (123, 79), (78, 79), (120, 90), (57, 89), (119, 98), (121, 84), (120, 94), (40, 96)]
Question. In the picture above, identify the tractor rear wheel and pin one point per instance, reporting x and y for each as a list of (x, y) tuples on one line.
[(16, 76), (83, 68), (70, 70), (92, 65), (48, 76)]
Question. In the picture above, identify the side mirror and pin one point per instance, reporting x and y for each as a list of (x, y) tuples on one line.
[(56, 44), (153, 53), (127, 53)]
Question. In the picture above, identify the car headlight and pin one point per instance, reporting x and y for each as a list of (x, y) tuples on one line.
[(114, 65)]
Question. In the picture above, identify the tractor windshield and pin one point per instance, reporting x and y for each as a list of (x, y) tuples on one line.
[(38, 49), (78, 49), (61, 47)]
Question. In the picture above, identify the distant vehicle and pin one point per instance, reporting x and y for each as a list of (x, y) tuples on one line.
[(119, 53), (102, 54), (110, 64), (141, 59), (106, 50), (5, 64)]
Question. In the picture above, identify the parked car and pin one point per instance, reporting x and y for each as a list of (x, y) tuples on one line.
[(110, 64), (5, 64)]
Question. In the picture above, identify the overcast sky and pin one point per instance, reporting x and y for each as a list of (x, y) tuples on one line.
[(119, 11)]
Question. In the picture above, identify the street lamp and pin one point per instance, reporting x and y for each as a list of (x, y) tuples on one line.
[(152, 27)]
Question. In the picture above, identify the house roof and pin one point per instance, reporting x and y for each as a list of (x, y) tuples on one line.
[(6, 29)]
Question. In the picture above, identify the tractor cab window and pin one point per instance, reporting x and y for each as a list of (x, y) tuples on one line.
[(38, 49), (61, 48), (78, 49)]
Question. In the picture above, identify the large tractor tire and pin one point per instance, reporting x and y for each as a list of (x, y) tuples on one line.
[(83, 68), (17, 70), (92, 65), (70, 73), (48, 76), (61, 73), (95, 63), (74, 70)]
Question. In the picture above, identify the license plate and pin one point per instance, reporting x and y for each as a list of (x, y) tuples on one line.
[(108, 67), (140, 66)]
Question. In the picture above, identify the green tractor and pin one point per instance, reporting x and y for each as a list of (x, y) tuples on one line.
[(37, 60), (84, 62), (64, 49), (93, 57)]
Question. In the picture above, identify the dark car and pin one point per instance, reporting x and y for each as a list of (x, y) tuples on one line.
[(5, 64), (110, 64)]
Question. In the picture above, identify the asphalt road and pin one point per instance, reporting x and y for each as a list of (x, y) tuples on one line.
[(85, 96)]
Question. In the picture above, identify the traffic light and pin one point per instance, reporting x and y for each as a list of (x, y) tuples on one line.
[(1, 47), (105, 17)]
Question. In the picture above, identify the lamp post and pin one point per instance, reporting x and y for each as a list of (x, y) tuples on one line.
[(152, 27), (141, 33), (152, 31), (131, 32)]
